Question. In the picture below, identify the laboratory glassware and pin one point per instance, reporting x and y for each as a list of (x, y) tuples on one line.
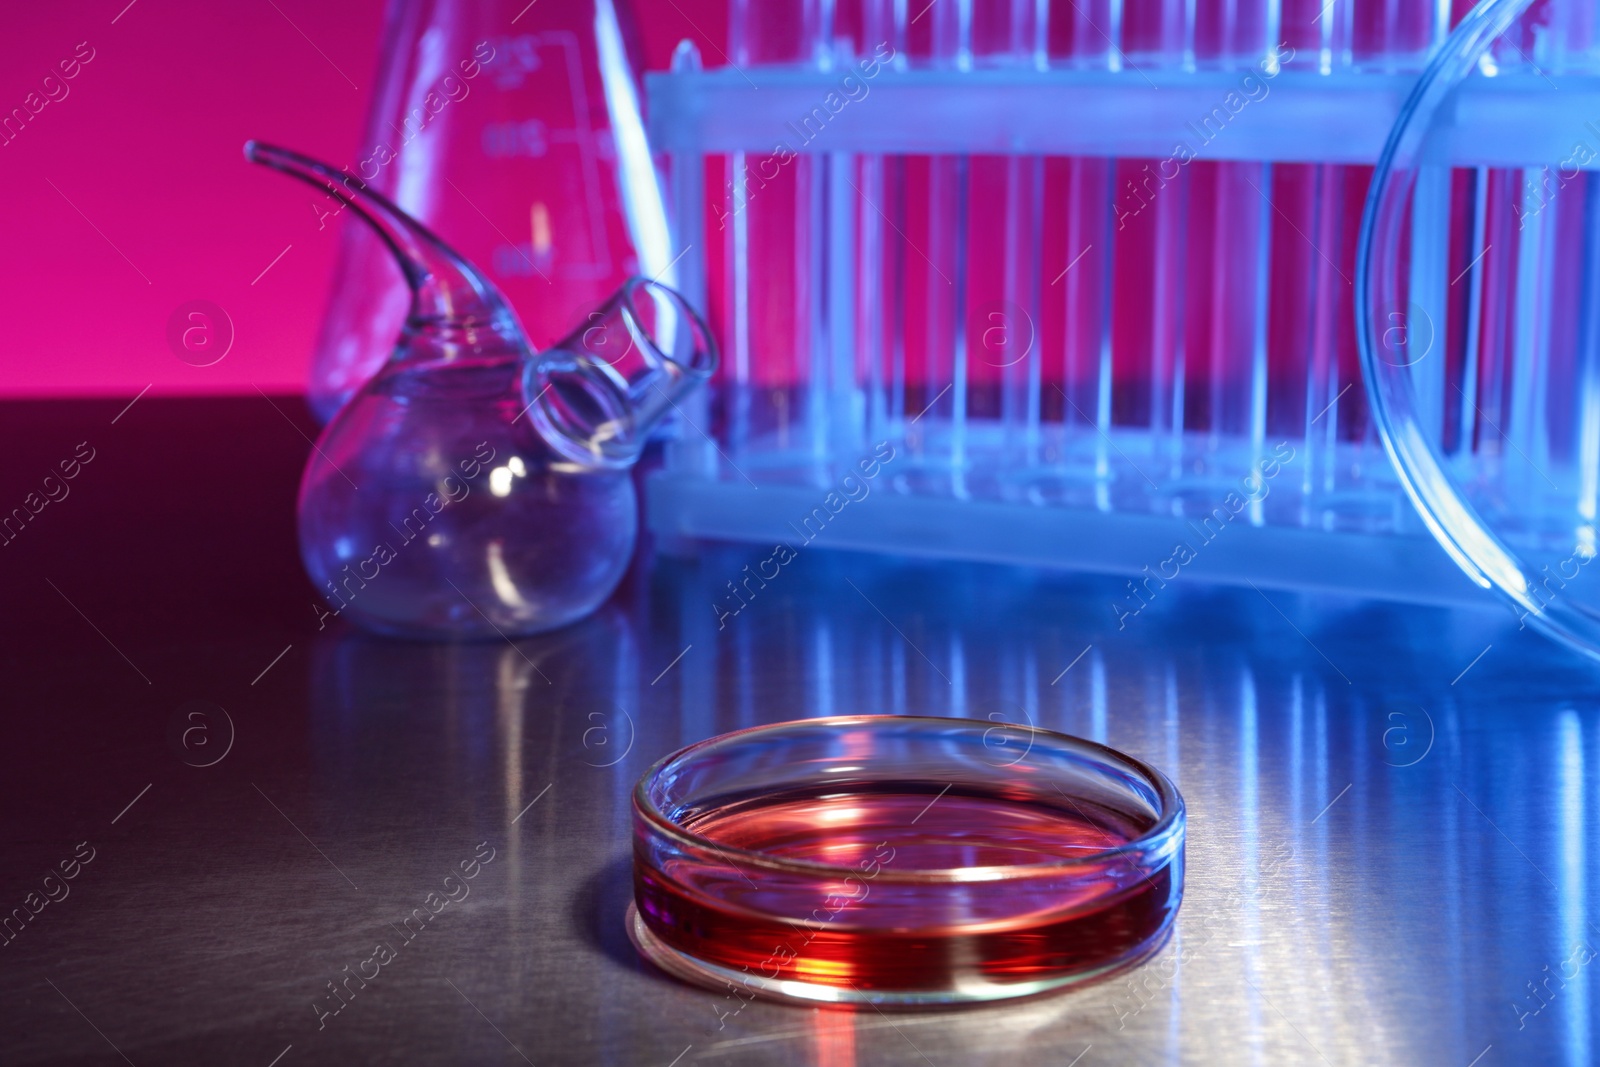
[(1121, 341), (1479, 291), (516, 129), (474, 488), (891, 859)]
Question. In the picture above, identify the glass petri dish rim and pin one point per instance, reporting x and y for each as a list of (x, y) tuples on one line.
[(714, 976), (1168, 827), (1486, 559)]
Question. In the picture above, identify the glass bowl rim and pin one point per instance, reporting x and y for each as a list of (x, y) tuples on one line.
[(1475, 544), (1169, 824)]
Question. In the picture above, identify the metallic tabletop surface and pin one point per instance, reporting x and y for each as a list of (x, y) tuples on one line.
[(1393, 811)]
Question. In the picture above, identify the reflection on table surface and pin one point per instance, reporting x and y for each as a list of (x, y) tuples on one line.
[(1391, 809)]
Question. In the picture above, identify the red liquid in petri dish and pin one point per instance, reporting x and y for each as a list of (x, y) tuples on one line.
[(876, 925)]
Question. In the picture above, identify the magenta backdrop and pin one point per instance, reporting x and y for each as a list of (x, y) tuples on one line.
[(127, 196)]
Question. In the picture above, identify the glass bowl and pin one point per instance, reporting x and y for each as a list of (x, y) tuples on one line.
[(1478, 297), (900, 860)]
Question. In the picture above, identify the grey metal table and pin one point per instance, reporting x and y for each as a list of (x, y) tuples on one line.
[(1392, 850)]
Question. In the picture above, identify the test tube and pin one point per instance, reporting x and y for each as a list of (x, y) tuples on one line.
[(1004, 335), (1443, 222), (1510, 218), (885, 255), (941, 37), (1395, 36), (1086, 35), (1308, 234), (1543, 218), (836, 208), (773, 222), (1470, 204), (1152, 222), (1004, 248), (1296, 197), (1576, 48), (880, 318), (1342, 458), (1230, 247), (1586, 372)]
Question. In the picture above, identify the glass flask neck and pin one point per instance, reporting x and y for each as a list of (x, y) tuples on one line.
[(447, 293), (596, 395)]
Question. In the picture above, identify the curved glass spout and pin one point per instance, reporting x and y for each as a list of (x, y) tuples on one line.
[(446, 290)]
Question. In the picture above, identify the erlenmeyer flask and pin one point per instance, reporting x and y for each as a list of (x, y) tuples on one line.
[(472, 487), (515, 128)]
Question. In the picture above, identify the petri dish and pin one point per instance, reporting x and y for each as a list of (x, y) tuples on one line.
[(1478, 303), (902, 860)]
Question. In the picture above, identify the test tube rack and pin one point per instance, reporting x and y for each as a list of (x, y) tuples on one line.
[(1084, 347)]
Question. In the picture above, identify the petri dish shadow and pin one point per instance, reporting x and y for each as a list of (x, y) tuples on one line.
[(599, 910)]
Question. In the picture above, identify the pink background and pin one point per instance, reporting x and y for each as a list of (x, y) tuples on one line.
[(130, 196)]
